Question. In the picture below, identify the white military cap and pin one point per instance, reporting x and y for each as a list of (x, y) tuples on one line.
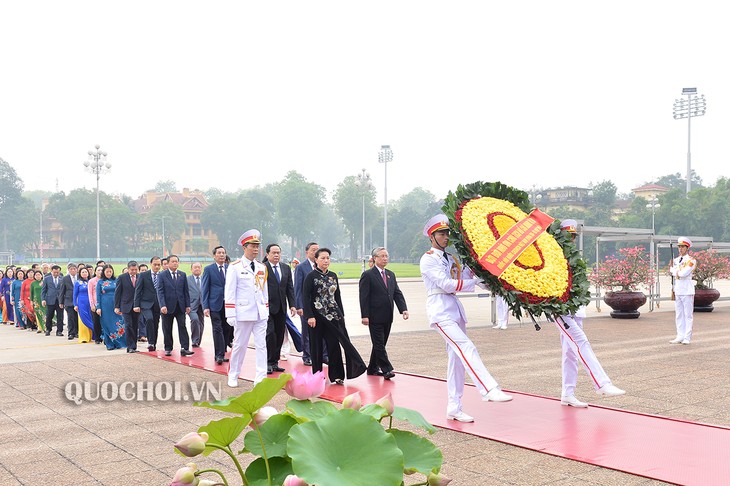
[(438, 222), (569, 225), (250, 236), (683, 240)]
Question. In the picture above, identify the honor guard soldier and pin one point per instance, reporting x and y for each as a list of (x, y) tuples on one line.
[(682, 269), (443, 277), (247, 307), (576, 346)]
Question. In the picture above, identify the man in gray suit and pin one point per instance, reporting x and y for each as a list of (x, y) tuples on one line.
[(197, 319), (51, 298), (67, 299)]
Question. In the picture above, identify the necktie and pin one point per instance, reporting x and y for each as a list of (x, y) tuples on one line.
[(253, 267), (446, 256), (134, 280), (222, 272), (154, 279), (385, 278), (197, 282), (55, 281), (276, 273), (174, 275), (680, 259)]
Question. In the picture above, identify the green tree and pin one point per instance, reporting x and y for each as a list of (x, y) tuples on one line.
[(169, 215), (199, 245), (231, 214), (677, 181), (604, 194), (348, 205), (166, 186), (298, 204), (11, 193), (407, 215)]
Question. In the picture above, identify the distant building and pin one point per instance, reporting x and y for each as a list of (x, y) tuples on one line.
[(572, 198), (649, 191)]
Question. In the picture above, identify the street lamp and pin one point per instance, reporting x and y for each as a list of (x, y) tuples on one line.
[(535, 196), (98, 165), (364, 183), (384, 156), (653, 205), (692, 106)]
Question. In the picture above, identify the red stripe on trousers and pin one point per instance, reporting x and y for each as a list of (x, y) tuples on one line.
[(474, 373), (577, 348)]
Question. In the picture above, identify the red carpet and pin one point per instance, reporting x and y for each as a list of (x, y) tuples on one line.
[(655, 447)]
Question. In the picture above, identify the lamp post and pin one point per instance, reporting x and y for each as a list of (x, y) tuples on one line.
[(535, 197), (98, 165), (364, 183), (653, 205), (384, 156), (693, 106)]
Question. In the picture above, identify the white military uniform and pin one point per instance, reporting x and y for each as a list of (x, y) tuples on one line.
[(247, 299), (502, 313), (684, 295), (447, 317)]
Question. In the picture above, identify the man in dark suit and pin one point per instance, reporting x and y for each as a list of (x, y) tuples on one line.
[(124, 304), (281, 290), (174, 296), (300, 274), (378, 291), (212, 289), (197, 318), (67, 299), (146, 302), (51, 298)]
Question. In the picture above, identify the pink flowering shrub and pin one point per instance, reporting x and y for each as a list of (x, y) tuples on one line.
[(628, 271), (710, 266)]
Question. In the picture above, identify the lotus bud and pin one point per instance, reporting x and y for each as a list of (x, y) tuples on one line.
[(292, 480), (304, 386), (352, 401), (387, 403), (263, 415), (185, 476), (192, 444), (437, 480)]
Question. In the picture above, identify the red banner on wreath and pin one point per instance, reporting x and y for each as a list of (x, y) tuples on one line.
[(515, 241)]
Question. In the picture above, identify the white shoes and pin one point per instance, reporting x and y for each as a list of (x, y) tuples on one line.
[(496, 395), (233, 382), (283, 357), (496, 326), (675, 341), (499, 326), (610, 390), (686, 341), (503, 327), (460, 417), (572, 402)]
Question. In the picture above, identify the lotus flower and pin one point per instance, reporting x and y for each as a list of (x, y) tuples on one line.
[(185, 476), (304, 386), (352, 401), (192, 444), (264, 413), (292, 480), (387, 403), (437, 480)]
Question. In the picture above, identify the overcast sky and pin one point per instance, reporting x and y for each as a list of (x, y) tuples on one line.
[(234, 94)]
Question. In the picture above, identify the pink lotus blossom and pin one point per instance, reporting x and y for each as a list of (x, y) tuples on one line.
[(352, 401), (185, 476), (387, 403), (264, 413), (437, 480), (192, 444), (292, 480), (304, 386)]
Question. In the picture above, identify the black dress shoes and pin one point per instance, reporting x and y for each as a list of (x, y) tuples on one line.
[(168, 353), (375, 373), (307, 362), (269, 370), (278, 369), (225, 360), (219, 361), (59, 334), (196, 345), (151, 347), (185, 352), (132, 350), (388, 375), (70, 338), (48, 333)]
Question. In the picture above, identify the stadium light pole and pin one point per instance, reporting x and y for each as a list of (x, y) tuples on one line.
[(691, 107), (97, 165), (384, 156)]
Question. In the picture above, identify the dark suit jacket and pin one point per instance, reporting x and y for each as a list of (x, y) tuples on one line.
[(66, 295), (376, 301), (213, 288), (145, 295), (49, 292), (173, 293), (300, 273), (279, 293), (124, 293)]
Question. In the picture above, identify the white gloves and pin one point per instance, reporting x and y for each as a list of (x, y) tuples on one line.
[(231, 321)]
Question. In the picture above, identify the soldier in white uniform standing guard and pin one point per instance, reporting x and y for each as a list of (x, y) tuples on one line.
[(682, 269), (443, 277), (247, 307)]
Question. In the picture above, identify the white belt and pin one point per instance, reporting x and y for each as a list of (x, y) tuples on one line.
[(439, 291)]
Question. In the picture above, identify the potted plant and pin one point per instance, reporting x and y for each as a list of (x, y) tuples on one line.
[(622, 275), (710, 266)]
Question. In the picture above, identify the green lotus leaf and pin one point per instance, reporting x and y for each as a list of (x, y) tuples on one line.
[(375, 411), (250, 401), (306, 409), (345, 448), (274, 433), (256, 471), (414, 418), (224, 431), (419, 453)]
